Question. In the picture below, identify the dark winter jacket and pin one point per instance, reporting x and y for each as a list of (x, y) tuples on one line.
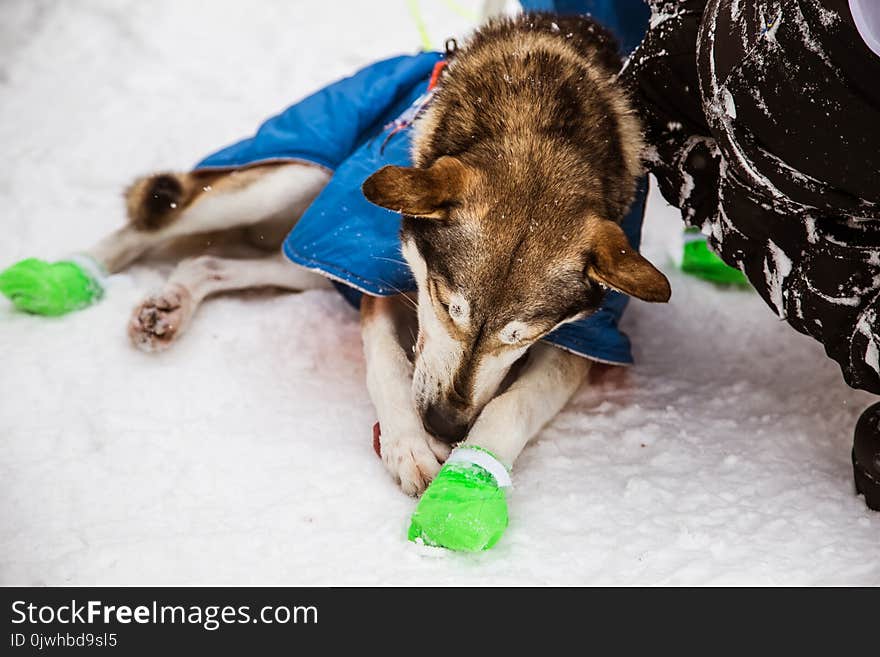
[(764, 121)]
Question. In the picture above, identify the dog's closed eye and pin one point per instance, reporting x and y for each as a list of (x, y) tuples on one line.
[(514, 333), (458, 309), (454, 304)]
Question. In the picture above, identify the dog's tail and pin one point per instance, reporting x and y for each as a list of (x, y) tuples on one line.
[(155, 201)]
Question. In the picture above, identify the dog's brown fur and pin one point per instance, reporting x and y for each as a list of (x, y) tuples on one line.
[(545, 86), (526, 162)]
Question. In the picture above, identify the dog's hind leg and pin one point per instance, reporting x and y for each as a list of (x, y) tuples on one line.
[(263, 198), (163, 317), (168, 206), (547, 381)]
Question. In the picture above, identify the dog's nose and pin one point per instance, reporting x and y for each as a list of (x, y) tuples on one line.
[(443, 426)]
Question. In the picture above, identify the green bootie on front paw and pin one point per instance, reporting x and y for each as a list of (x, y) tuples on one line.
[(52, 289), (465, 507)]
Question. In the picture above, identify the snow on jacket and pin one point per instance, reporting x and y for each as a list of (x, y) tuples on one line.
[(349, 128), (764, 117)]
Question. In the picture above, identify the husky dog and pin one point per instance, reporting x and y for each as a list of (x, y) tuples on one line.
[(525, 162)]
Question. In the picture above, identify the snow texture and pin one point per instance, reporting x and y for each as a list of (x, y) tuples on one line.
[(729, 104), (865, 326), (776, 275), (243, 455)]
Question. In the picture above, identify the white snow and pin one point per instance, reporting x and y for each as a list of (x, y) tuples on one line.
[(867, 327), (776, 268), (771, 28), (810, 41), (729, 103), (872, 356), (243, 455), (810, 226), (828, 16), (658, 16)]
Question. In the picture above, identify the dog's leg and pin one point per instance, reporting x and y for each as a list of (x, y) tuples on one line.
[(411, 455), (166, 206), (163, 317), (548, 380)]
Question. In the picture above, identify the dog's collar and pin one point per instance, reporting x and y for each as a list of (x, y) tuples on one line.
[(406, 119)]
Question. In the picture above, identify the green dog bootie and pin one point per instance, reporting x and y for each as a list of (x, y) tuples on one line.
[(698, 260), (55, 288), (464, 508)]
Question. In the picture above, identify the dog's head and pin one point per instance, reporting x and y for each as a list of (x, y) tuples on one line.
[(500, 261)]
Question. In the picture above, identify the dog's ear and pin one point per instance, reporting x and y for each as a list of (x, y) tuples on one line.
[(417, 192), (615, 264)]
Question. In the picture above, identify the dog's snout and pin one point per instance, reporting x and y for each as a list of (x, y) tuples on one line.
[(444, 424)]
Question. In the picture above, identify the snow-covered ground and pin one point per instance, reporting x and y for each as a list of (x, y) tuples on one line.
[(243, 455)]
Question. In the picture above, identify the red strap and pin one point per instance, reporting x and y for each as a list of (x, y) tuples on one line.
[(377, 444), (435, 74)]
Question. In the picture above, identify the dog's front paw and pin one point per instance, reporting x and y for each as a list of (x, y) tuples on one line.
[(411, 460), (160, 319)]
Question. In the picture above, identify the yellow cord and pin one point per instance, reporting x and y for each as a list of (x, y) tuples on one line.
[(416, 13)]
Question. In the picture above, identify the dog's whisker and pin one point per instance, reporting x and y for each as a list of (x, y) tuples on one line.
[(394, 260), (404, 295)]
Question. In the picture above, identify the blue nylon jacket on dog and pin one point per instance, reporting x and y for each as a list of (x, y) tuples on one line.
[(347, 128)]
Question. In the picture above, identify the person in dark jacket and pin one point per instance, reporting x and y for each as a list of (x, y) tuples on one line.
[(763, 120), (764, 124)]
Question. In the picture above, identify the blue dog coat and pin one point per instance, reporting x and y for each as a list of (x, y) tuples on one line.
[(350, 128)]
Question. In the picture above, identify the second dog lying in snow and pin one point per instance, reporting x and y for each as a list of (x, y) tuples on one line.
[(525, 159)]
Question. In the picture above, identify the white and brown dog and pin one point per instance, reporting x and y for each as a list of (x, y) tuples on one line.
[(525, 163)]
